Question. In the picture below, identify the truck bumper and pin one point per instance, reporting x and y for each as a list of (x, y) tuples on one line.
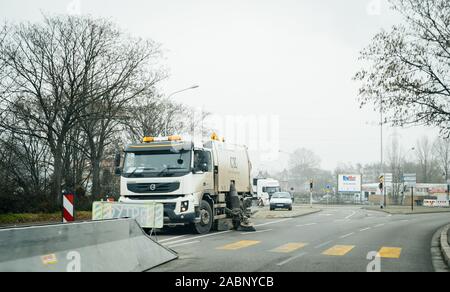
[(172, 216)]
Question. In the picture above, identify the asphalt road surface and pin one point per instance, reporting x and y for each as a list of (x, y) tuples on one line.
[(337, 239)]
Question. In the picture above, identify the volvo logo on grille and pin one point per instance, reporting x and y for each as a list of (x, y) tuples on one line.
[(152, 187)]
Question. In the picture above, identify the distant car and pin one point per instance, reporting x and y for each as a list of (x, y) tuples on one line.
[(281, 200)]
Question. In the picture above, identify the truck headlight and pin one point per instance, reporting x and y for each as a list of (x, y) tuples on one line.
[(184, 206)]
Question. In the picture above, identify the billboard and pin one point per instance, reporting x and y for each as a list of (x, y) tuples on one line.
[(349, 183)]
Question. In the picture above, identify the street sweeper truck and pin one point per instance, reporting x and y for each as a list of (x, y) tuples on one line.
[(206, 186)]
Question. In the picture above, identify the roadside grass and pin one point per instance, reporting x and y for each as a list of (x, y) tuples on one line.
[(13, 219)]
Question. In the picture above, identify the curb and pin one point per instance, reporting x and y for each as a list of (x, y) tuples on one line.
[(445, 248), (437, 258), (415, 213)]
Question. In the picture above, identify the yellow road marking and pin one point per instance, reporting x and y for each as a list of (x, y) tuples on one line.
[(239, 245), (339, 250), (290, 247), (390, 252)]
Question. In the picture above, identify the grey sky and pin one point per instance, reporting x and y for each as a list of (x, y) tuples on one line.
[(292, 58)]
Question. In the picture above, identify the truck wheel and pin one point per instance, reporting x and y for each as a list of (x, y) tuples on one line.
[(206, 219)]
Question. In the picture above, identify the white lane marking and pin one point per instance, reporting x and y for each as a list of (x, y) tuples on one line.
[(323, 244), (327, 215), (291, 259), (309, 224), (365, 229), (274, 222), (172, 238), (183, 244), (379, 225), (201, 236), (260, 231), (347, 235), (351, 215)]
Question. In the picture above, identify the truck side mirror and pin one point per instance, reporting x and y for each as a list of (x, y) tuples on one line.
[(118, 171), (117, 160)]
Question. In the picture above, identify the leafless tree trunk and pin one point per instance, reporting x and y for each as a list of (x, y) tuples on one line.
[(441, 152), (425, 158)]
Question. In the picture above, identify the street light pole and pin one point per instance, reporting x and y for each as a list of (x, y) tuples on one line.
[(383, 190)]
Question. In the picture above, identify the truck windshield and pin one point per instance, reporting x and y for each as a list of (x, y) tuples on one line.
[(271, 190), (156, 164)]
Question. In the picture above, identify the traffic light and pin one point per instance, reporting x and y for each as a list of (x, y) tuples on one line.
[(311, 185), (381, 185)]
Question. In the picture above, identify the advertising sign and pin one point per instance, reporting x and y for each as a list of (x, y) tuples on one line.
[(349, 183)]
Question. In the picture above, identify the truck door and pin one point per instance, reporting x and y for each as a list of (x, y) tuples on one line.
[(203, 166)]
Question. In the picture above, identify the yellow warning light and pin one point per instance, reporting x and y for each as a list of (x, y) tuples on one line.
[(148, 140), (175, 138), (215, 137)]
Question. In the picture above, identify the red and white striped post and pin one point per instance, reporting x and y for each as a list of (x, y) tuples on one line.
[(68, 207)]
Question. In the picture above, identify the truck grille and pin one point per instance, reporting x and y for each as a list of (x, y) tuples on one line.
[(149, 188)]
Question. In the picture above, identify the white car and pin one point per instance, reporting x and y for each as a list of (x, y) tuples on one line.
[(281, 200)]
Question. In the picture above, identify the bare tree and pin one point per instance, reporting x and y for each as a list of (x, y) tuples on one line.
[(395, 161), (441, 153), (303, 165), (408, 68), (155, 116), (126, 76), (68, 72), (425, 158)]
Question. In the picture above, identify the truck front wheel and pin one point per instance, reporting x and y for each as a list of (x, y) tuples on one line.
[(206, 219)]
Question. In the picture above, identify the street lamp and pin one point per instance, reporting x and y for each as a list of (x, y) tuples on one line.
[(183, 90), (175, 93)]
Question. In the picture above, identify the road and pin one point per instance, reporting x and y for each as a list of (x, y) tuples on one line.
[(337, 239)]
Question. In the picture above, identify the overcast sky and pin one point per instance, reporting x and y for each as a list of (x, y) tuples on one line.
[(292, 59)]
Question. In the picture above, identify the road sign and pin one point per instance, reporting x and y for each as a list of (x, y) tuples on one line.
[(410, 179), (147, 215), (388, 178), (68, 208)]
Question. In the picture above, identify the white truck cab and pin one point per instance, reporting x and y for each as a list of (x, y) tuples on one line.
[(197, 185), (266, 188)]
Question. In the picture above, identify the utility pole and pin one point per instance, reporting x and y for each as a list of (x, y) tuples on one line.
[(383, 191)]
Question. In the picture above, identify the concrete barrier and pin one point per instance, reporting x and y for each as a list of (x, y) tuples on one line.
[(445, 247), (104, 246)]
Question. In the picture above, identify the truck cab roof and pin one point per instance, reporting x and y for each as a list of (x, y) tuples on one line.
[(160, 146)]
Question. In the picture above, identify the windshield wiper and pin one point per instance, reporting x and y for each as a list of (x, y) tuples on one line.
[(140, 168), (165, 170)]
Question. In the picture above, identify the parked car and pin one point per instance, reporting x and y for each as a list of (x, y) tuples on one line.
[(281, 200)]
